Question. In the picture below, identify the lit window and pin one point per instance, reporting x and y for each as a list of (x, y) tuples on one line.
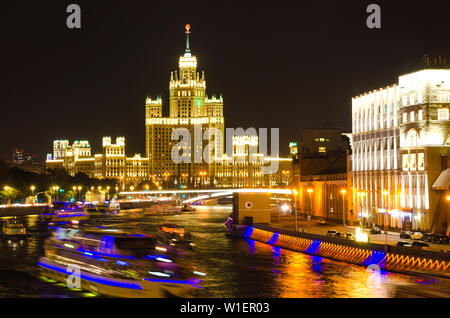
[(420, 115), (322, 149), (412, 161), (405, 162), (443, 114), (405, 118), (421, 161), (411, 116)]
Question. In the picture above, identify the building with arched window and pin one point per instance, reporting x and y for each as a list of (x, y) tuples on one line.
[(400, 136)]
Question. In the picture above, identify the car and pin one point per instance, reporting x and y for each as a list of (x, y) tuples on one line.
[(427, 237), (322, 222), (350, 236), (403, 243), (332, 233), (441, 239), (375, 230), (416, 236), (341, 235), (405, 234), (418, 244)]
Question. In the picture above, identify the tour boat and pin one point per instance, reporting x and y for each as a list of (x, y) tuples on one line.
[(174, 236), (14, 229), (107, 207), (164, 207), (115, 263), (64, 212)]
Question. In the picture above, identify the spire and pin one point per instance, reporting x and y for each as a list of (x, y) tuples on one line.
[(188, 50)]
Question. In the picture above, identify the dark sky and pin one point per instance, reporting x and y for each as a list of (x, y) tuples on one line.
[(289, 65)]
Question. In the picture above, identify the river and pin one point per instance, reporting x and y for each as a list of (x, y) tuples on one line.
[(235, 267)]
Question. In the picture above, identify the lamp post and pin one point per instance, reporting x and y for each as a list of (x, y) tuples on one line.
[(343, 191), (79, 192), (32, 193)]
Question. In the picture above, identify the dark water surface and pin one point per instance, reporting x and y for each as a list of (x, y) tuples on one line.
[(234, 267)]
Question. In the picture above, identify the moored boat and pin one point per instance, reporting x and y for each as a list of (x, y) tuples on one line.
[(14, 229)]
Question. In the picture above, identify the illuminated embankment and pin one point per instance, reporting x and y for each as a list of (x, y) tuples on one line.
[(392, 258), (21, 209)]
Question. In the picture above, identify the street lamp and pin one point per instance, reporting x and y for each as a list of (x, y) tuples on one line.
[(32, 193), (132, 188), (343, 191)]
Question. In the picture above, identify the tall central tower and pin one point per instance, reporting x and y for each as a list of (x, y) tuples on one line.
[(187, 89), (189, 107)]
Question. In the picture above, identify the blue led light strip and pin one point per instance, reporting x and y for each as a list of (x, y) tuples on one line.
[(84, 276)]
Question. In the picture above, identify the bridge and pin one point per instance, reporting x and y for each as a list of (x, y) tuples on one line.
[(194, 195)]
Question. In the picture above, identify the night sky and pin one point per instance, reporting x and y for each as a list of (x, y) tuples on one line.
[(290, 65)]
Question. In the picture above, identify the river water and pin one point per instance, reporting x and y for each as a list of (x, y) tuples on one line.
[(235, 267)]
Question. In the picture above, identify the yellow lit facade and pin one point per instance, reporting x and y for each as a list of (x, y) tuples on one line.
[(190, 107), (399, 135), (243, 168), (112, 163)]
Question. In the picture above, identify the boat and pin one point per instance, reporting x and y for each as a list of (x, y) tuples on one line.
[(107, 207), (171, 235), (167, 207), (63, 212), (116, 263), (13, 229), (187, 208)]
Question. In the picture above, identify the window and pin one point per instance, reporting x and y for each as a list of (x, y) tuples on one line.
[(421, 161), (412, 161), (443, 114), (405, 162), (411, 116), (412, 138), (420, 115), (405, 118), (322, 149)]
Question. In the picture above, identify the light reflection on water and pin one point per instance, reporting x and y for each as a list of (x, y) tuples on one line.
[(234, 267)]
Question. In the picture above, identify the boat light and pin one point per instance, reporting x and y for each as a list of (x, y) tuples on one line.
[(161, 249), (159, 274), (69, 245), (199, 273), (121, 263), (166, 260)]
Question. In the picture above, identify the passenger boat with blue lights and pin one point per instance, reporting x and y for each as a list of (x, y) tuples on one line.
[(115, 263), (64, 212), (13, 229)]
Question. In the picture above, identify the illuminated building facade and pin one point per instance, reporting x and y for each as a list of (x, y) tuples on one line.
[(112, 163), (399, 134), (192, 109), (243, 168)]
